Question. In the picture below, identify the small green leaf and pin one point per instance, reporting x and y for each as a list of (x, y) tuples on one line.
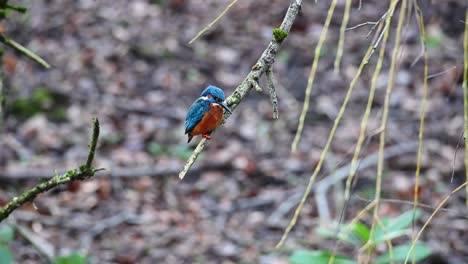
[(394, 228), (74, 258), (384, 236), (6, 234), (358, 234), (329, 233), (6, 257), (317, 257), (403, 221), (362, 231), (421, 251)]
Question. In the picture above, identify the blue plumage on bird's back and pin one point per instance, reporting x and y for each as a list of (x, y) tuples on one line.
[(195, 113)]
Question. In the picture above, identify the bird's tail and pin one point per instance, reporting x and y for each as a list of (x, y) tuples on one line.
[(189, 138)]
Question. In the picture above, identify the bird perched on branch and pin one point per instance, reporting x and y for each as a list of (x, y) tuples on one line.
[(206, 113)]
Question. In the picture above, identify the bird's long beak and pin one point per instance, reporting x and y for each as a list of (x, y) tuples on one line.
[(223, 104)]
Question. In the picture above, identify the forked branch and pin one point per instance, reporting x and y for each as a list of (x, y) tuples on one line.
[(83, 172), (263, 64)]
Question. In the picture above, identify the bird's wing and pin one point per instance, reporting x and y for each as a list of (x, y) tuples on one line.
[(195, 114)]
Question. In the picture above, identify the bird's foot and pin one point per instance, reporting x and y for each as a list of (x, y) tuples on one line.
[(206, 136)]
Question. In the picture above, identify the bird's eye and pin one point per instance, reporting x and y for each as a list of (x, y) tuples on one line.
[(218, 100)]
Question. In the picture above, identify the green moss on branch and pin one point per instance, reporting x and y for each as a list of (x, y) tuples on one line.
[(279, 34)]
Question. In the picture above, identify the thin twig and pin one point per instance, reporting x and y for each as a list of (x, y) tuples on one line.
[(408, 202), (438, 208), (465, 96), (200, 147), (455, 155), (420, 55), (272, 90), (23, 50), (344, 24), (422, 29), (423, 42), (380, 36), (382, 18), (83, 172), (213, 22), (419, 16), (365, 117), (265, 62), (441, 73), (384, 123), (312, 74), (254, 84), (362, 25)]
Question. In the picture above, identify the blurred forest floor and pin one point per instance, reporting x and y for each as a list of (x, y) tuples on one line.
[(129, 64)]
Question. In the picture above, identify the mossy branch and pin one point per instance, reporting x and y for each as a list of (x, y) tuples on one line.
[(83, 172), (263, 64)]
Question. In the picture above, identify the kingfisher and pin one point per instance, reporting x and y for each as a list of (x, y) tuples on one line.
[(206, 113)]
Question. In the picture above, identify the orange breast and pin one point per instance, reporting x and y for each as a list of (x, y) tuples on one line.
[(210, 120)]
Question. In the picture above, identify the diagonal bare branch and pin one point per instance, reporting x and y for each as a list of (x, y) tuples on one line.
[(263, 64)]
